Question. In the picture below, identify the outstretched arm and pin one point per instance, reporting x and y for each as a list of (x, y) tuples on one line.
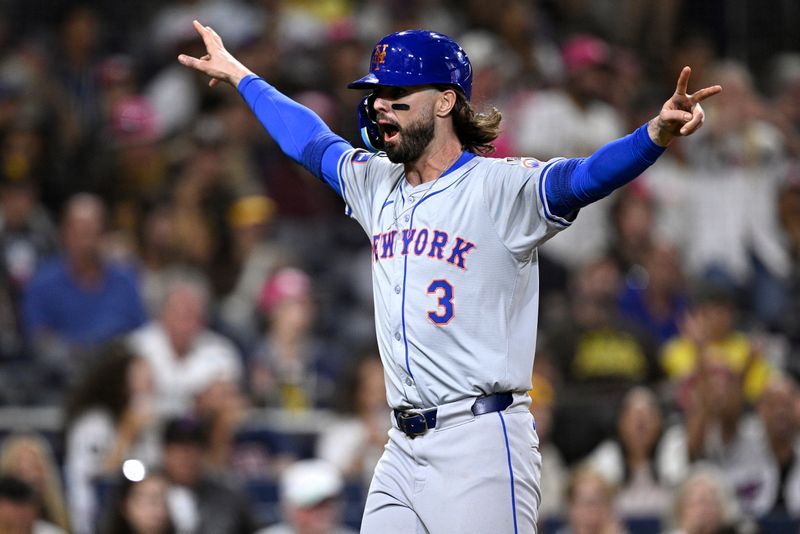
[(574, 183), (300, 133)]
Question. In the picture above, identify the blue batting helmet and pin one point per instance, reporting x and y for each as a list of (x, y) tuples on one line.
[(418, 57)]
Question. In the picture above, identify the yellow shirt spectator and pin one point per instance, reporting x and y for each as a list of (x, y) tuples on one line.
[(679, 360)]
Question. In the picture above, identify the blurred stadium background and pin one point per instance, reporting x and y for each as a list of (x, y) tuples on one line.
[(186, 315)]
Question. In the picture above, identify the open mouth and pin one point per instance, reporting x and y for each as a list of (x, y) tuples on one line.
[(390, 131)]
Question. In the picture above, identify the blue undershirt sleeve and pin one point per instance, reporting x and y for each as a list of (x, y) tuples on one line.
[(574, 183), (300, 133)]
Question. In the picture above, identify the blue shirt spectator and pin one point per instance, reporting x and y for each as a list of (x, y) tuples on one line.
[(79, 299), (654, 297), (633, 305), (83, 314)]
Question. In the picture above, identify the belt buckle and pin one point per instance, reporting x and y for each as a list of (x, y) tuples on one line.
[(404, 417)]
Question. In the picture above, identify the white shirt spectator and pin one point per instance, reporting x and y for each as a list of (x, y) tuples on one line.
[(755, 475), (178, 378), (641, 494)]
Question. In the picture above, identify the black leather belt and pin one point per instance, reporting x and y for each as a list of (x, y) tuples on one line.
[(417, 423)]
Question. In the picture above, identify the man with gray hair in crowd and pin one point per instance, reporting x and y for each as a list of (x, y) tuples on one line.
[(184, 353)]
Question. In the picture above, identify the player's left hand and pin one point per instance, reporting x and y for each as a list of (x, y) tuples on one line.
[(682, 114)]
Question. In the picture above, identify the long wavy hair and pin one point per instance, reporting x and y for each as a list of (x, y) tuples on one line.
[(476, 130), (104, 384)]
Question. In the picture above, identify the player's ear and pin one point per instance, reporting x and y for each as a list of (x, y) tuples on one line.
[(446, 102)]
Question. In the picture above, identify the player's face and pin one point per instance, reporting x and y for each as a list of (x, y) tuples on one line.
[(405, 120)]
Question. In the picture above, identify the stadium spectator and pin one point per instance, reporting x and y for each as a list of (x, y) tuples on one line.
[(720, 432), (599, 355), (642, 244), (79, 300), (158, 254), (19, 509), (139, 507), (704, 504), (731, 228), (27, 234), (202, 192), (589, 123), (574, 119), (710, 337), (311, 500), (77, 56), (590, 508), (713, 406), (632, 224), (653, 297), (30, 458), (255, 257), (602, 346), (220, 403), (291, 368), (634, 460), (135, 158), (198, 501), (110, 417), (769, 484), (182, 352)]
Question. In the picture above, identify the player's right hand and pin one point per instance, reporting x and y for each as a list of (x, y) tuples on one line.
[(218, 63)]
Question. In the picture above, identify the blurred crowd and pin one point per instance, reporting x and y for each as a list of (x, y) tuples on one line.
[(199, 311)]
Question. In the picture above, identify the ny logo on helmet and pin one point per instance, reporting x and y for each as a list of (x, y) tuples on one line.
[(379, 56)]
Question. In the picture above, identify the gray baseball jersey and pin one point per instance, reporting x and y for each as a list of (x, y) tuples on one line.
[(454, 274)]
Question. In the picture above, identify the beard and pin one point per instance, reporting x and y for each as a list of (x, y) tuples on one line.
[(414, 140)]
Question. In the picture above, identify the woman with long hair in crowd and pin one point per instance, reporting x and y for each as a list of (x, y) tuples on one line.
[(110, 416), (641, 459)]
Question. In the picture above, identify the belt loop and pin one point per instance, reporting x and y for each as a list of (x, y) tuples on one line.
[(496, 402)]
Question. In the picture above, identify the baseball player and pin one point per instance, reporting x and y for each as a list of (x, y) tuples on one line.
[(454, 237)]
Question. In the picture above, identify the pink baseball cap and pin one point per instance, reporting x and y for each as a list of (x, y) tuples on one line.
[(287, 283), (584, 51), (134, 121)]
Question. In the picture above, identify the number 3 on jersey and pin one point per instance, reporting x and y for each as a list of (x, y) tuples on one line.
[(445, 312)]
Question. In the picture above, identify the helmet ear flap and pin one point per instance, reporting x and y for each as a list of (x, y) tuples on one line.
[(367, 125)]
